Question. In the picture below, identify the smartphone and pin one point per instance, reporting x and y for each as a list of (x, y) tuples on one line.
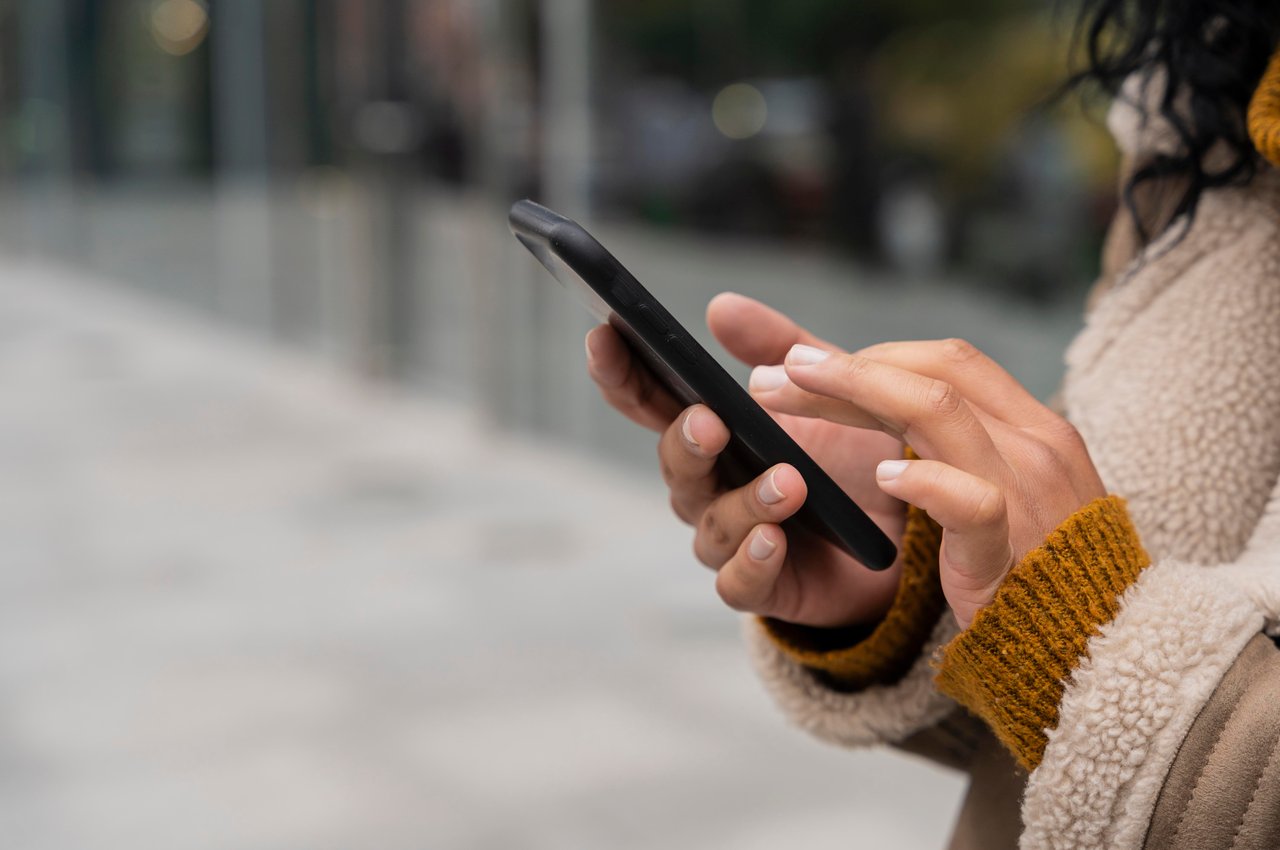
[(612, 294)]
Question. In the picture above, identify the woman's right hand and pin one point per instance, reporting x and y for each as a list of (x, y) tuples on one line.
[(792, 576)]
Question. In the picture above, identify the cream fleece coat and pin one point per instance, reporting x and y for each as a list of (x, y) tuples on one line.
[(1174, 384)]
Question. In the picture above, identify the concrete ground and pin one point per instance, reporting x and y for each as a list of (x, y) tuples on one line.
[(248, 603)]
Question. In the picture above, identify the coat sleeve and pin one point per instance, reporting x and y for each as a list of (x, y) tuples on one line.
[(876, 686), (1143, 698), (1223, 788)]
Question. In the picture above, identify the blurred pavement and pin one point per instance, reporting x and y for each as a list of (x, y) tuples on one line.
[(246, 602)]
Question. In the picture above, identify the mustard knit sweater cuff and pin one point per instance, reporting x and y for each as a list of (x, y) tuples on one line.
[(1264, 112), (879, 654), (1010, 666)]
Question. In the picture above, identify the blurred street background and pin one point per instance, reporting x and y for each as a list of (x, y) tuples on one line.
[(313, 533)]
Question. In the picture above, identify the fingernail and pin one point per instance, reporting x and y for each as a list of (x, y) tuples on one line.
[(768, 490), (761, 547), (686, 430), (765, 378), (806, 355), (891, 469), (591, 358)]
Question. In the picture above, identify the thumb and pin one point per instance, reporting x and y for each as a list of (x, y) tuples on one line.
[(755, 333)]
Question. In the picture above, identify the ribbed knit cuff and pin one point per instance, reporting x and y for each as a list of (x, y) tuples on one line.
[(1264, 112), (1009, 667), (855, 658)]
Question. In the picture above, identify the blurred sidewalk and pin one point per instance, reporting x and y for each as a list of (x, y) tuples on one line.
[(248, 603)]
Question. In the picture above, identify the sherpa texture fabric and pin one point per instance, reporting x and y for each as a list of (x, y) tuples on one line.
[(1010, 665), (855, 659), (1174, 383), (877, 714), (1128, 706)]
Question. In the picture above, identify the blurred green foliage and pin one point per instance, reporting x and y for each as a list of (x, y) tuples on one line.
[(950, 81), (717, 38)]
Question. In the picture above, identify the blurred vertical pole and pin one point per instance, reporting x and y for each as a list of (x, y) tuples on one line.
[(10, 102), (351, 295), (503, 289), (566, 106), (45, 123), (288, 29), (88, 153), (331, 198), (389, 127), (566, 151), (241, 160)]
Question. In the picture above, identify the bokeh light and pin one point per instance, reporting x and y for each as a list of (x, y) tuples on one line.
[(179, 26), (739, 111)]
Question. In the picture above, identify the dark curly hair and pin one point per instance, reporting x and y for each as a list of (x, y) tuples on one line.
[(1214, 50)]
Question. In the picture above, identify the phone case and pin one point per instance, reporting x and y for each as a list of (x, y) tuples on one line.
[(613, 295)]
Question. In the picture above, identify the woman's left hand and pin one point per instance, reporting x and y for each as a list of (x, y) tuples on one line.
[(998, 470)]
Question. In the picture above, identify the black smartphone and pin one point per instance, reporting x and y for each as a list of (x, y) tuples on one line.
[(613, 295)]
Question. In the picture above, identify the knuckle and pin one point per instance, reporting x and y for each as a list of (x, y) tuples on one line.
[(942, 399), (705, 557), (680, 509), (989, 509), (1069, 438), (933, 475), (624, 401), (855, 367), (1046, 461), (712, 530), (667, 450), (642, 391), (611, 396), (670, 460), (627, 390), (631, 394), (959, 350), (734, 591)]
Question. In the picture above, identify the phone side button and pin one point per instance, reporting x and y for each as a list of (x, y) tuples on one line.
[(681, 349), (651, 320)]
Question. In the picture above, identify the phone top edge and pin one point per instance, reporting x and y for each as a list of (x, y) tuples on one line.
[(570, 241), (531, 219)]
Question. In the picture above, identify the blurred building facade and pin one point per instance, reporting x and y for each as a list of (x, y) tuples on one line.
[(334, 173), (251, 605)]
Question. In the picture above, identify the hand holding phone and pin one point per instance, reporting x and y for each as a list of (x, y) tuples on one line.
[(744, 479), (804, 579)]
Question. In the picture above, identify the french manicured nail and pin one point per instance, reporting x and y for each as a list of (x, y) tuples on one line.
[(765, 378), (891, 469), (768, 490), (761, 546), (806, 355), (686, 430)]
